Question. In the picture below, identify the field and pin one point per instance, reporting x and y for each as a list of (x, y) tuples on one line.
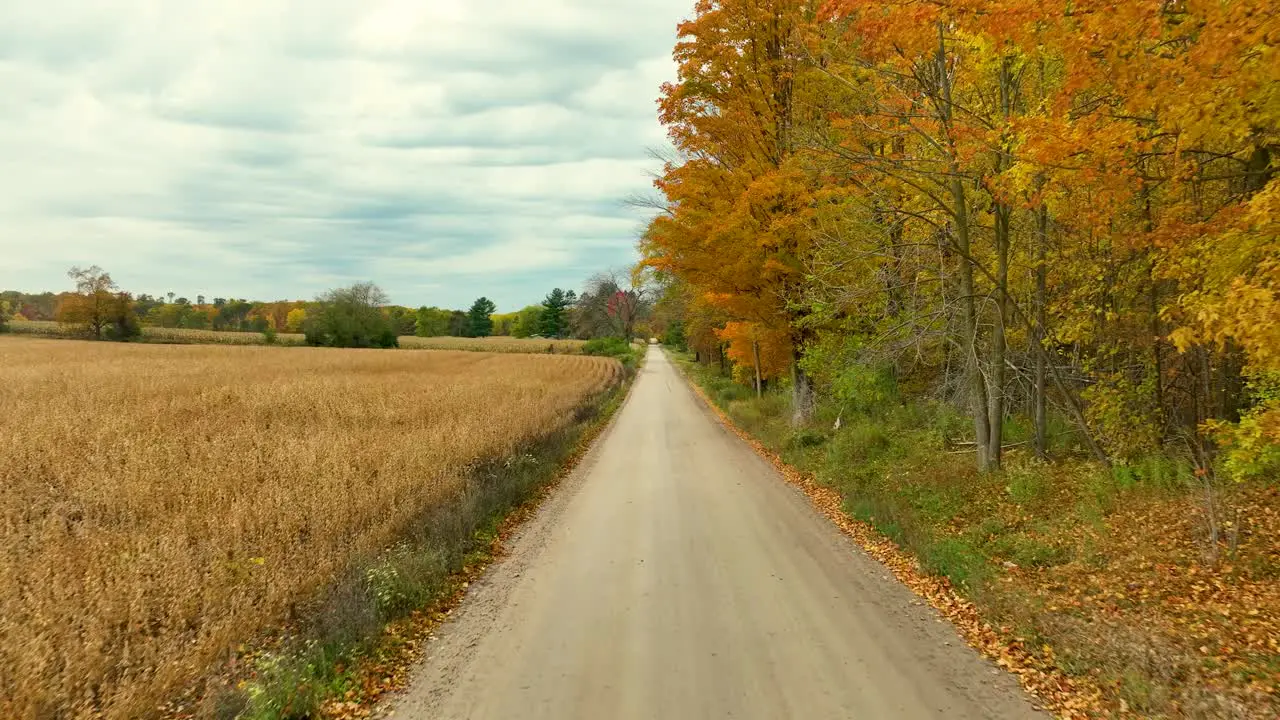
[(164, 503), (46, 328), (494, 344), (51, 329)]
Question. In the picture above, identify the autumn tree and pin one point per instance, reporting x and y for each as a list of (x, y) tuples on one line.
[(295, 319), (98, 307), (611, 306), (734, 225), (1023, 208)]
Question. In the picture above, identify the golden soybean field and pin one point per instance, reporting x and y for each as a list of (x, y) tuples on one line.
[(163, 503), (498, 343), (493, 344)]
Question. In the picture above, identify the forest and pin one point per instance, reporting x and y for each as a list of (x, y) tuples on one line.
[(1061, 211)]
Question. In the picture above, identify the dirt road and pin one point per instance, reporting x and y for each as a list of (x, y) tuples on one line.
[(675, 576)]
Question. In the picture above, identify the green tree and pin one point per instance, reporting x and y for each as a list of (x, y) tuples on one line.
[(459, 323), (404, 319), (350, 317), (432, 322), (555, 322), (504, 323), (528, 321), (479, 321)]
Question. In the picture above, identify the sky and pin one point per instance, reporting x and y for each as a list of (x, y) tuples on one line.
[(272, 149)]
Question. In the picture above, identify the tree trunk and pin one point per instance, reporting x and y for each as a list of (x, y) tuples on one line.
[(995, 388), (755, 352), (801, 393), (1038, 337), (968, 305)]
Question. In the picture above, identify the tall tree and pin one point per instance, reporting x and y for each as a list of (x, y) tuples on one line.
[(98, 306), (479, 318), (736, 201), (553, 322), (350, 317)]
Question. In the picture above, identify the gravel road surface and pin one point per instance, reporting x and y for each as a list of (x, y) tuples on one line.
[(674, 575)]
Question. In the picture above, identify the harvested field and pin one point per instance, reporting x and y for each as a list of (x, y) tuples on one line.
[(150, 333), (166, 502), (501, 344), (495, 344)]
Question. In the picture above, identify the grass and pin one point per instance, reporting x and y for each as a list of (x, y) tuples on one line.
[(1112, 567), (503, 344), (165, 503)]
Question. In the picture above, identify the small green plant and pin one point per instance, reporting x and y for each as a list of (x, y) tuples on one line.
[(269, 336), (805, 438), (1027, 486), (957, 560), (385, 586)]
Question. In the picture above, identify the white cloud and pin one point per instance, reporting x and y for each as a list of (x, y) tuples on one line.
[(270, 149)]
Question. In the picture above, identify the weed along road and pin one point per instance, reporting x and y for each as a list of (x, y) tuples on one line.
[(674, 575)]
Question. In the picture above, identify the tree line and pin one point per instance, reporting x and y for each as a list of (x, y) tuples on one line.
[(1027, 208), (357, 316)]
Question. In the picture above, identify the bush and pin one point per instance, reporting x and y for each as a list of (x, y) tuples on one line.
[(269, 336), (124, 322), (612, 347), (351, 317)]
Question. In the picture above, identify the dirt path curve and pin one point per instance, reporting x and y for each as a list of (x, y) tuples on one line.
[(674, 575)]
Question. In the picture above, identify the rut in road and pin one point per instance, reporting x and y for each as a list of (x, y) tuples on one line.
[(674, 575)]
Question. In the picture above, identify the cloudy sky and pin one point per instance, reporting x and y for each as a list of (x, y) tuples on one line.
[(271, 149)]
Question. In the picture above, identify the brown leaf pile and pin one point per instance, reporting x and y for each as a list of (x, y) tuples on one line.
[(1156, 589)]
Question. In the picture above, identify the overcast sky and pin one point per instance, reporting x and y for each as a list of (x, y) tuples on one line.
[(271, 149)]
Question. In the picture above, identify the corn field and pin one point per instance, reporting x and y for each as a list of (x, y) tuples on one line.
[(164, 503)]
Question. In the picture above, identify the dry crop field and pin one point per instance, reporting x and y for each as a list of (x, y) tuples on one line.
[(495, 344), (49, 328), (163, 503), (503, 344)]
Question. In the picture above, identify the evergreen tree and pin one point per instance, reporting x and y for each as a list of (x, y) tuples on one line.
[(554, 321), (478, 320)]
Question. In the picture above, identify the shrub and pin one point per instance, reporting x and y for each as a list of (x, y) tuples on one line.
[(612, 347), (351, 317)]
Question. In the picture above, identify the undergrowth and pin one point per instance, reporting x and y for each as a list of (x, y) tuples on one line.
[(1068, 554)]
